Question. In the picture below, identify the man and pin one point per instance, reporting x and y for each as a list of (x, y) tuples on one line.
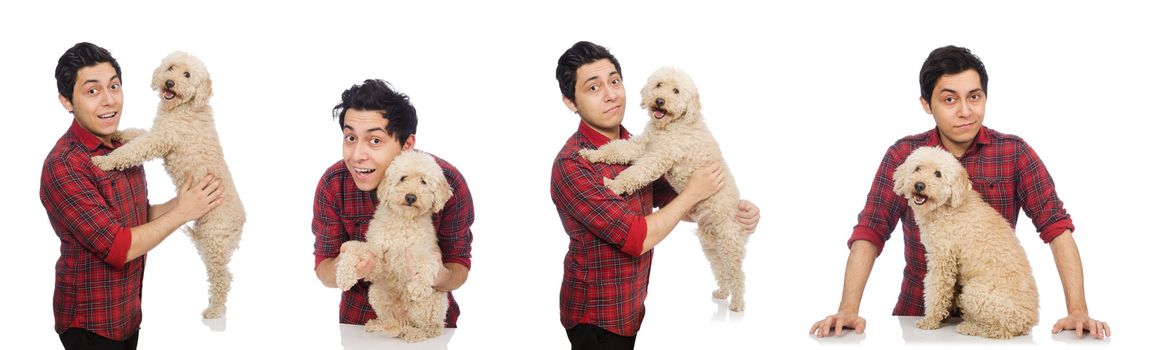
[(1002, 167), (377, 123), (103, 218), (607, 268)]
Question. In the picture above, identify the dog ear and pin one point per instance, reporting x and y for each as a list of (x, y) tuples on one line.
[(959, 187), (900, 175), (206, 89), (441, 191)]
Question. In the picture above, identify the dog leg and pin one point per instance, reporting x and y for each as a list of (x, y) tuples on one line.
[(939, 284), (353, 253), (615, 152), (142, 148), (129, 134), (209, 238), (990, 310), (644, 171), (725, 247), (385, 305)]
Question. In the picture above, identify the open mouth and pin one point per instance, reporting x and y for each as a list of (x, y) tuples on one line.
[(658, 113), (363, 170), (919, 199), (167, 94), (106, 116)]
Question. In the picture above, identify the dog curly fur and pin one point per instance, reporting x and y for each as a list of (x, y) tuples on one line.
[(675, 143), (183, 134), (974, 260), (401, 235)]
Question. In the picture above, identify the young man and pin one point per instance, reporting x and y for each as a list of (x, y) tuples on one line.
[(103, 219), (1003, 168), (378, 123), (607, 268)]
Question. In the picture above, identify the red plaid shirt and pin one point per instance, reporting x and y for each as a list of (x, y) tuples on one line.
[(93, 211), (606, 274), (1003, 169), (341, 212)]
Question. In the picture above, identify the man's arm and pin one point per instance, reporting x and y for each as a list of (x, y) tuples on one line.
[(704, 182), (193, 201), (858, 267), (1070, 267)]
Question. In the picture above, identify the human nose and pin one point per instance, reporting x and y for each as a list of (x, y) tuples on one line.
[(360, 151), (612, 94), (965, 110)]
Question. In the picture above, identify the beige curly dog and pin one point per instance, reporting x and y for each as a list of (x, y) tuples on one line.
[(974, 260), (183, 134), (675, 143), (402, 238)]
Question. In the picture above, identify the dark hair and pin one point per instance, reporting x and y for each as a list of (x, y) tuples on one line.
[(79, 56), (581, 53), (378, 95), (945, 60)]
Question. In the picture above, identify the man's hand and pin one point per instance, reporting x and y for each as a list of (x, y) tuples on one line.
[(748, 216), (1080, 322), (837, 322)]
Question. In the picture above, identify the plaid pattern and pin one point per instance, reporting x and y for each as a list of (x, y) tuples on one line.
[(1003, 169), (93, 211), (606, 275), (341, 212)]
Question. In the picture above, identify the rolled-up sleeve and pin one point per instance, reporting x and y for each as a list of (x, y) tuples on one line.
[(581, 194), (883, 207), (1040, 201), (75, 205)]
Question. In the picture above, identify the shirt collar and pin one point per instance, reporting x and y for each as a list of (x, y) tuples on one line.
[(86, 138), (982, 138), (597, 138)]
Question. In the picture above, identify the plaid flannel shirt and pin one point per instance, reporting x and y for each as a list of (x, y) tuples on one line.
[(341, 212), (1003, 169), (606, 275), (92, 212)]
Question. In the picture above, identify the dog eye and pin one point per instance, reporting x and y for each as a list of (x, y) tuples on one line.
[(937, 173), (917, 168), (659, 85), (170, 68), (186, 75), (423, 181), (675, 90), (403, 178)]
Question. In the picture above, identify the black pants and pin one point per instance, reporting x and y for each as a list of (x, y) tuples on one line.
[(589, 337), (76, 338)]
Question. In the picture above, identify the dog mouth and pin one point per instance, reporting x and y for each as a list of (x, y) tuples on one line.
[(658, 113), (919, 199), (167, 94)]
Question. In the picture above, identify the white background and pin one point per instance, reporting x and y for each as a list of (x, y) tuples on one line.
[(804, 98)]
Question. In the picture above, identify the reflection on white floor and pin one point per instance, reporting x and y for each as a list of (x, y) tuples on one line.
[(948, 334), (354, 337)]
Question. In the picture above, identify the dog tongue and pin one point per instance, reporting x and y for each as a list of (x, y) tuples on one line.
[(659, 114), (169, 95)]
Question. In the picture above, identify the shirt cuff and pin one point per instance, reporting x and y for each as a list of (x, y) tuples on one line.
[(636, 237), (319, 259), (118, 254), (1056, 229), (463, 261), (866, 234)]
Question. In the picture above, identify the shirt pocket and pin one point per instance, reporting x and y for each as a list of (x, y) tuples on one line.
[(998, 191)]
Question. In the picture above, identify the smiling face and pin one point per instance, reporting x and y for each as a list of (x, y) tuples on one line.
[(930, 178), (414, 185), (958, 104), (96, 100), (181, 80), (368, 149), (599, 97), (671, 97)]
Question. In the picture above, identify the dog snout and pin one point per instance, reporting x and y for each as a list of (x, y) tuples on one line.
[(410, 198), (660, 102), (168, 84), (919, 187)]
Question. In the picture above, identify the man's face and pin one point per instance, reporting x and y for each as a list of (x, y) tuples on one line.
[(96, 100), (368, 148), (599, 97), (957, 103)]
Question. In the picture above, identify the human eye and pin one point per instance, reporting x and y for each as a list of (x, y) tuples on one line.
[(350, 138), (976, 97), (115, 86), (616, 81), (375, 141), (594, 88), (949, 99)]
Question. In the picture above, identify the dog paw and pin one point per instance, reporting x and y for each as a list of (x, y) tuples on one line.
[(928, 324), (416, 334), (127, 134), (103, 162), (721, 293), (615, 186), (388, 327), (590, 155), (213, 312), (737, 305)]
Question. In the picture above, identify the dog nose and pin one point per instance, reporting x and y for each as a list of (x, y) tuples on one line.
[(919, 186), (660, 101), (168, 84), (410, 198)]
